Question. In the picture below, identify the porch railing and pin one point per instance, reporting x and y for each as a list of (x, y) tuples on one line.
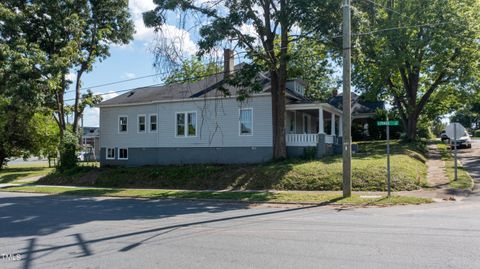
[(302, 139), (329, 139)]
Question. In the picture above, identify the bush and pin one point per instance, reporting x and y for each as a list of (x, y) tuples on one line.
[(310, 153), (476, 133), (68, 157)]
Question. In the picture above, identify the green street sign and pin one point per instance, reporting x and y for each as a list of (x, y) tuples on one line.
[(389, 123)]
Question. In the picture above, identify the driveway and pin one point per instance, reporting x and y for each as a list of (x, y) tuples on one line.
[(470, 159), (52, 231)]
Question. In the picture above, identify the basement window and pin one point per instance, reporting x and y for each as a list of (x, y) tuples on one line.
[(123, 154), (110, 154)]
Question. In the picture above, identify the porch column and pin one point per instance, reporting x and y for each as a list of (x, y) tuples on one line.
[(333, 123), (340, 127), (321, 129)]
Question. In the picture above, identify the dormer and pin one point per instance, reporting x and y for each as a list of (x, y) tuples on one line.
[(297, 86)]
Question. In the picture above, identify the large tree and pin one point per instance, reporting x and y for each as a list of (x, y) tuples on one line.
[(224, 20), (105, 22), (22, 85), (412, 51)]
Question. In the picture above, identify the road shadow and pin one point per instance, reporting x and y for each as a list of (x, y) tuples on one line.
[(34, 216)]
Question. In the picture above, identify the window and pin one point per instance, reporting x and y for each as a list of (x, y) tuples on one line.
[(153, 123), (141, 123), (123, 154), (246, 121), (122, 124), (186, 124), (110, 153)]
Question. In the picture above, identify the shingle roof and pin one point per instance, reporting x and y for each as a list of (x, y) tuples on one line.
[(208, 87), (358, 106)]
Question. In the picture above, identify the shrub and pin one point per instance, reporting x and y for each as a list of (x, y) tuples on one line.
[(68, 158), (309, 153), (476, 133)]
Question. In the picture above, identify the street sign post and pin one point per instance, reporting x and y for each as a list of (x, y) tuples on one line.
[(454, 131), (388, 123)]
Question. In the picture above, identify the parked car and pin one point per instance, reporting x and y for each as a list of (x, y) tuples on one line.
[(463, 142), (444, 136)]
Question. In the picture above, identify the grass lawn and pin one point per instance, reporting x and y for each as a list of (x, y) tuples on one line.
[(464, 181), (369, 173), (15, 172), (261, 196)]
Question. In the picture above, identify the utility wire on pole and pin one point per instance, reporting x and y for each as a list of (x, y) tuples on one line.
[(347, 100)]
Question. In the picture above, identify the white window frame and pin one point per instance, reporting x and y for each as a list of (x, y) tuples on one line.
[(119, 149), (106, 154), (118, 124), (150, 122), (144, 123), (240, 122), (185, 130)]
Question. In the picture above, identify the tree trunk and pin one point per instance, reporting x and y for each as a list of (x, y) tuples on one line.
[(3, 157), (76, 107), (412, 127), (278, 116)]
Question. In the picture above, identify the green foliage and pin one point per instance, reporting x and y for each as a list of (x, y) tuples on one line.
[(410, 56), (309, 153), (477, 133), (193, 70), (369, 170), (68, 157), (308, 60)]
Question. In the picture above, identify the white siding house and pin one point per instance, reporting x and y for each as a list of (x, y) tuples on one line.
[(196, 123)]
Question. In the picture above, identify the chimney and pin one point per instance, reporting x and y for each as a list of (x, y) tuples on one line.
[(228, 63)]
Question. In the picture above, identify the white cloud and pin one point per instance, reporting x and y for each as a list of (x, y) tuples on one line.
[(91, 117), (128, 75), (71, 76), (109, 95), (173, 36), (137, 8), (178, 39)]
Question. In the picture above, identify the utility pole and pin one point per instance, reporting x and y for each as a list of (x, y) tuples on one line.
[(347, 101)]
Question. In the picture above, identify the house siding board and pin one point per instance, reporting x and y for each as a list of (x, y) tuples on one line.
[(191, 155), (217, 124)]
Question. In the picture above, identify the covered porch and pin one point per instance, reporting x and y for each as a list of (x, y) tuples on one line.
[(313, 125)]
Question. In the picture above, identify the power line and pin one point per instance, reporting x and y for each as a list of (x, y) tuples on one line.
[(387, 8), (158, 85), (125, 80)]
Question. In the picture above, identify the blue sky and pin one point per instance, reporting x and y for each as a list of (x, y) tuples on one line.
[(131, 61)]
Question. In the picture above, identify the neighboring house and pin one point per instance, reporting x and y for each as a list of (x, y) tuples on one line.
[(363, 114), (196, 123), (91, 142)]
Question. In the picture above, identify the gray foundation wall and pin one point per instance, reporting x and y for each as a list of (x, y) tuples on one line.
[(191, 155)]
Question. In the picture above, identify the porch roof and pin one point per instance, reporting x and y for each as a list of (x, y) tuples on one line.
[(314, 105)]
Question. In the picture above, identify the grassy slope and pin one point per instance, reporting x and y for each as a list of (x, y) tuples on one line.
[(272, 197), (12, 173), (464, 181), (369, 173)]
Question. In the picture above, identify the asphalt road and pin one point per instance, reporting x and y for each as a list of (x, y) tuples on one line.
[(50, 231)]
